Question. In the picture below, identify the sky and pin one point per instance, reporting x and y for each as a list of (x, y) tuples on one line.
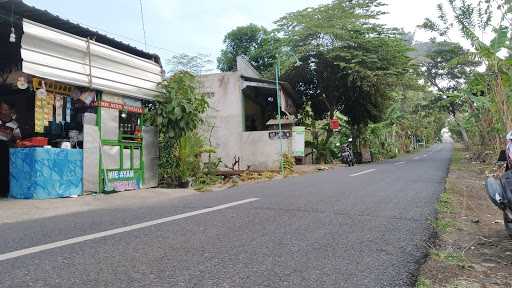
[(199, 26)]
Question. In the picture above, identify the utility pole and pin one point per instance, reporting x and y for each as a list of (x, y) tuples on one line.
[(278, 92)]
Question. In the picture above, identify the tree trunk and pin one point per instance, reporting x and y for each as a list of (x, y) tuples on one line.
[(502, 102), (462, 130)]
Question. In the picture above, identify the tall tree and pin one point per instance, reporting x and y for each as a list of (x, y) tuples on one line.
[(446, 71), (350, 63), (483, 18), (196, 64), (253, 41)]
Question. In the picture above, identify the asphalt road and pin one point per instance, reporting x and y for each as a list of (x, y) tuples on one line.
[(363, 226)]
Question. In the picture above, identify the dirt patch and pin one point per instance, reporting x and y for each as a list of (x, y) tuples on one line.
[(472, 248), (258, 177)]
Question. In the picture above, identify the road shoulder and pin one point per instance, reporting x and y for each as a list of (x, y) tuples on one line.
[(13, 210), (471, 248)]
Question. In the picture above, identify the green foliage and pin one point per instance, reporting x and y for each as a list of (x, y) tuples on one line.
[(423, 283), (187, 155), (204, 181), (208, 174), (483, 98), (255, 42), (410, 118), (177, 113), (351, 67), (350, 64), (450, 257), (323, 142), (180, 105), (288, 163), (195, 64), (188, 166), (442, 226), (444, 205)]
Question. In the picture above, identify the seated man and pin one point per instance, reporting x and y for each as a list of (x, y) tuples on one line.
[(9, 133)]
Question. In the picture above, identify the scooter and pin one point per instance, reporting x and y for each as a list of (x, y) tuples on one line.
[(347, 156), (499, 190)]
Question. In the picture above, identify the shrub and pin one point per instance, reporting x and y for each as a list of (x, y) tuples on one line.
[(288, 163)]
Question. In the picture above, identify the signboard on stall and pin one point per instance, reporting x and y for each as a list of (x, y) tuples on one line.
[(122, 180), (118, 106), (298, 141)]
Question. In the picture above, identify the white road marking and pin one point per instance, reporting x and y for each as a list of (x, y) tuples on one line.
[(49, 246), (417, 158), (363, 172), (400, 163)]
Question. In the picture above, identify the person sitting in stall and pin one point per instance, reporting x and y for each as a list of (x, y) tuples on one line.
[(9, 130), (9, 134)]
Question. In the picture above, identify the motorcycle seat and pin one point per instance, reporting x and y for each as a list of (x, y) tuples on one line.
[(506, 182)]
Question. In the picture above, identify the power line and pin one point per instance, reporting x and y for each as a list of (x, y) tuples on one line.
[(128, 38), (143, 26), (149, 45)]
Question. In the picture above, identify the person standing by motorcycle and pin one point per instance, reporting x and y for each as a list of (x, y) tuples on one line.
[(346, 153), (509, 151)]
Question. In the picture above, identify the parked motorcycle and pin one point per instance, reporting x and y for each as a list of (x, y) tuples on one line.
[(347, 156), (499, 190)]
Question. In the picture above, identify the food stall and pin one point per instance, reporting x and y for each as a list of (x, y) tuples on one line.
[(71, 109), (47, 160)]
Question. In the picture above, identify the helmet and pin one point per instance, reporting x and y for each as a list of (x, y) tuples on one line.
[(509, 136)]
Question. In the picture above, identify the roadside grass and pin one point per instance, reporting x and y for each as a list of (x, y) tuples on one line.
[(268, 175), (423, 283), (445, 203), (450, 257), (442, 226), (457, 159)]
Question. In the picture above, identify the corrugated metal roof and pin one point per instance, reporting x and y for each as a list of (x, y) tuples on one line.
[(287, 87), (22, 10)]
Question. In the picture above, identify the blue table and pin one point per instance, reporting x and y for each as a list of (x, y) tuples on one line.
[(45, 173)]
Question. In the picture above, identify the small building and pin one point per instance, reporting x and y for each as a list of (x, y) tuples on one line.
[(82, 96), (242, 119)]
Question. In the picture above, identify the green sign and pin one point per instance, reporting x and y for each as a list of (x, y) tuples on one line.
[(298, 143)]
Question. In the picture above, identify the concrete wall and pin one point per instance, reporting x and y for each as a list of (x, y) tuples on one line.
[(260, 152), (226, 116)]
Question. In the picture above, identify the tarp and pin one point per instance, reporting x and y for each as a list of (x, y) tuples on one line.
[(63, 57), (45, 173)]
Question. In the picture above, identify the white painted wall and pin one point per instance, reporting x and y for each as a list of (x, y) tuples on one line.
[(225, 114), (261, 152), (228, 137)]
